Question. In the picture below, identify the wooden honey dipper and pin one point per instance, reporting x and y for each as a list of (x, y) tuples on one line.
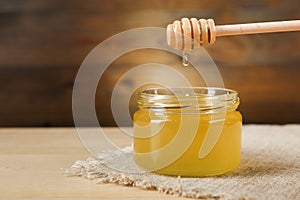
[(188, 34)]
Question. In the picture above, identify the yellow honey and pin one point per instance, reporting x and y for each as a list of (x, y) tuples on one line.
[(188, 131)]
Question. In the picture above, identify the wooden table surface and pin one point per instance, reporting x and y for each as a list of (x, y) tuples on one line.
[(33, 160)]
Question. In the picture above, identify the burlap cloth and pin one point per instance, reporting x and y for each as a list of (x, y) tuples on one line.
[(270, 169)]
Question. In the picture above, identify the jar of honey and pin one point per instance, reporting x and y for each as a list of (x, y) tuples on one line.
[(188, 131)]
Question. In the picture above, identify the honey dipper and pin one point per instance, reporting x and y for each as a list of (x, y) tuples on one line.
[(188, 34)]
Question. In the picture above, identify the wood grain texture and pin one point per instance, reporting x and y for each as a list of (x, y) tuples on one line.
[(42, 44), (33, 162)]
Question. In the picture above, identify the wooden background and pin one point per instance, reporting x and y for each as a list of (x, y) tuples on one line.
[(43, 42)]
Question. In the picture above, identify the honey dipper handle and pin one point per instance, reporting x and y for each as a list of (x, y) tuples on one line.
[(188, 34), (261, 27)]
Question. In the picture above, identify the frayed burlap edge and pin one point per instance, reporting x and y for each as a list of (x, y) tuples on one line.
[(94, 170)]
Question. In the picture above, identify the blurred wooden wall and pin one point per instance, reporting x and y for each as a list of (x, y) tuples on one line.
[(43, 42)]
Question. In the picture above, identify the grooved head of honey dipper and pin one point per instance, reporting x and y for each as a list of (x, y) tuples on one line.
[(188, 34)]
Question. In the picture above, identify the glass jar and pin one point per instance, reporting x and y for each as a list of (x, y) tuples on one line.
[(188, 131)]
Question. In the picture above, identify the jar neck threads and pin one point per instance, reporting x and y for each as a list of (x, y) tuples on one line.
[(204, 100)]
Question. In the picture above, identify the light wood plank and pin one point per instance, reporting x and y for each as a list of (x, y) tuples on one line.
[(33, 163)]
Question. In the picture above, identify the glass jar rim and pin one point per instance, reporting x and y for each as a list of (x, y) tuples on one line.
[(210, 92), (204, 99)]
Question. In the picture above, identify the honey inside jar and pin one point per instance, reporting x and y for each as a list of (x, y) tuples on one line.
[(188, 131)]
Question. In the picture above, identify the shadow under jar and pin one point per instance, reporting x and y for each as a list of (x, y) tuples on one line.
[(188, 131)]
